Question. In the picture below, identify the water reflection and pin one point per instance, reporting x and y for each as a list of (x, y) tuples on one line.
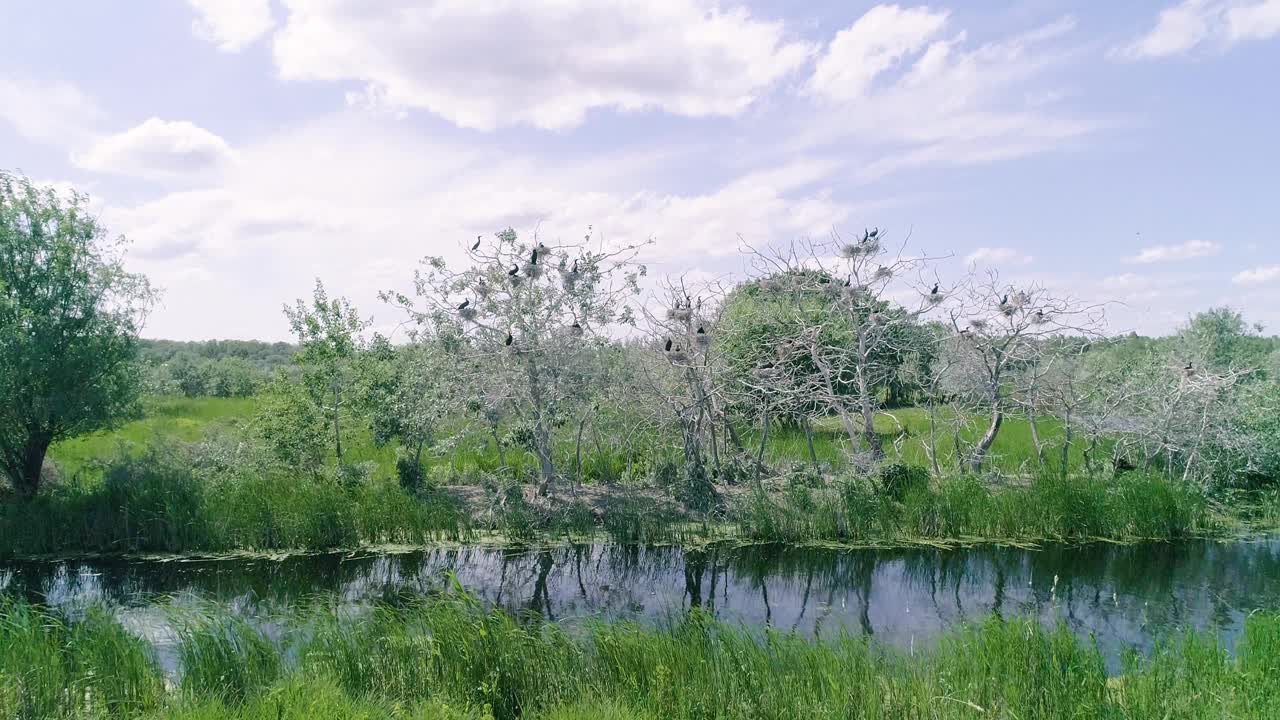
[(1126, 596)]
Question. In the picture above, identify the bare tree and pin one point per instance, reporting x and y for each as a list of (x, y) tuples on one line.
[(681, 324), (1002, 330), (529, 313), (852, 307)]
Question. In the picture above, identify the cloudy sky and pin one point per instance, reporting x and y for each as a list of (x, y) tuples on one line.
[(1127, 152)]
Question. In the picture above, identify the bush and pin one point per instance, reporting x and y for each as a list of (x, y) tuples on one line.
[(410, 473), (897, 479)]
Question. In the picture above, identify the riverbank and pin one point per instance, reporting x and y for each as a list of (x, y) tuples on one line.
[(155, 506), (448, 657)]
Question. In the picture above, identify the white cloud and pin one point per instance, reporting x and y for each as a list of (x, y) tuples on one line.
[(308, 203), (232, 25), (1257, 276), (157, 149), (540, 62), (1192, 23), (893, 79), (998, 256), (53, 112), (1189, 250), (876, 42)]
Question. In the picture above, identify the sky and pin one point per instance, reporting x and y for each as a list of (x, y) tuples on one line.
[(1125, 153)]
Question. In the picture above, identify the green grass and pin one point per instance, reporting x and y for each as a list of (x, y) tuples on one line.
[(448, 657), (1128, 508), (475, 455), (185, 479), (165, 419)]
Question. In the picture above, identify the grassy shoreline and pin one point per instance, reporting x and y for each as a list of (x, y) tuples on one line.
[(187, 480), (448, 657)]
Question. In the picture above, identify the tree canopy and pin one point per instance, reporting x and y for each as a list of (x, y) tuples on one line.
[(69, 320)]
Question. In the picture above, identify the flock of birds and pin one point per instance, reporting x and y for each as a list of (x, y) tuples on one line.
[(539, 251)]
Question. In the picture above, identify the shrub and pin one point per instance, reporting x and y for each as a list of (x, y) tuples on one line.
[(898, 479)]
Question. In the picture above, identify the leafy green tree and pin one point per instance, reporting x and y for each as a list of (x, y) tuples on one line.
[(293, 425), (328, 333), (408, 393), (233, 377), (69, 321), (190, 374)]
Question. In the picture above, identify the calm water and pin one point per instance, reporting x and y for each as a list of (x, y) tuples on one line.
[(1125, 596)]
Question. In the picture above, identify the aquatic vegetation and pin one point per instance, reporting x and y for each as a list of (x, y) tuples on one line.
[(448, 657)]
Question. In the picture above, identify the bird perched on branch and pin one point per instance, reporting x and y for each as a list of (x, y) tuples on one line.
[(477, 245), (464, 304), (515, 270), (509, 340), (934, 291), (667, 347), (533, 259)]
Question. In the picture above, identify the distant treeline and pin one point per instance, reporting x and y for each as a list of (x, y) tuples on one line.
[(219, 368)]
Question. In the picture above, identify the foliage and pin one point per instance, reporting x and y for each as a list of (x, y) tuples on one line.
[(69, 320), (328, 333), (529, 317), (448, 657)]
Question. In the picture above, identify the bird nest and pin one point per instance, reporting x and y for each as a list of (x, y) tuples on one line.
[(702, 340), (1007, 309), (532, 271), (978, 324), (862, 248), (678, 357), (935, 298), (679, 313), (467, 313), (883, 273)]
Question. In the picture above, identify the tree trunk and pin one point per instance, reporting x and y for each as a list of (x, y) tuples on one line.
[(731, 434), (337, 434), (866, 403), (933, 439), (502, 454), (27, 482), (764, 440), (542, 442), (577, 455), (1066, 442), (1033, 421), (541, 434), (980, 450), (808, 436)]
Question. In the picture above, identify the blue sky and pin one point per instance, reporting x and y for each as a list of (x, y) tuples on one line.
[(1121, 152)]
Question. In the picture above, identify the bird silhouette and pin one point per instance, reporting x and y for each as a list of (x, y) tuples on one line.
[(464, 304), (513, 271), (509, 340), (1189, 367), (667, 347), (477, 245), (574, 270), (702, 330), (576, 326), (934, 291), (1004, 300), (533, 259)]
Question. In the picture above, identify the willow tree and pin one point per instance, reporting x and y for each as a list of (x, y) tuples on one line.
[(530, 315), (69, 321)]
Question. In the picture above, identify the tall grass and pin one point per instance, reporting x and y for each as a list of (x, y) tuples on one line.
[(1131, 507), (447, 657), (160, 502)]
